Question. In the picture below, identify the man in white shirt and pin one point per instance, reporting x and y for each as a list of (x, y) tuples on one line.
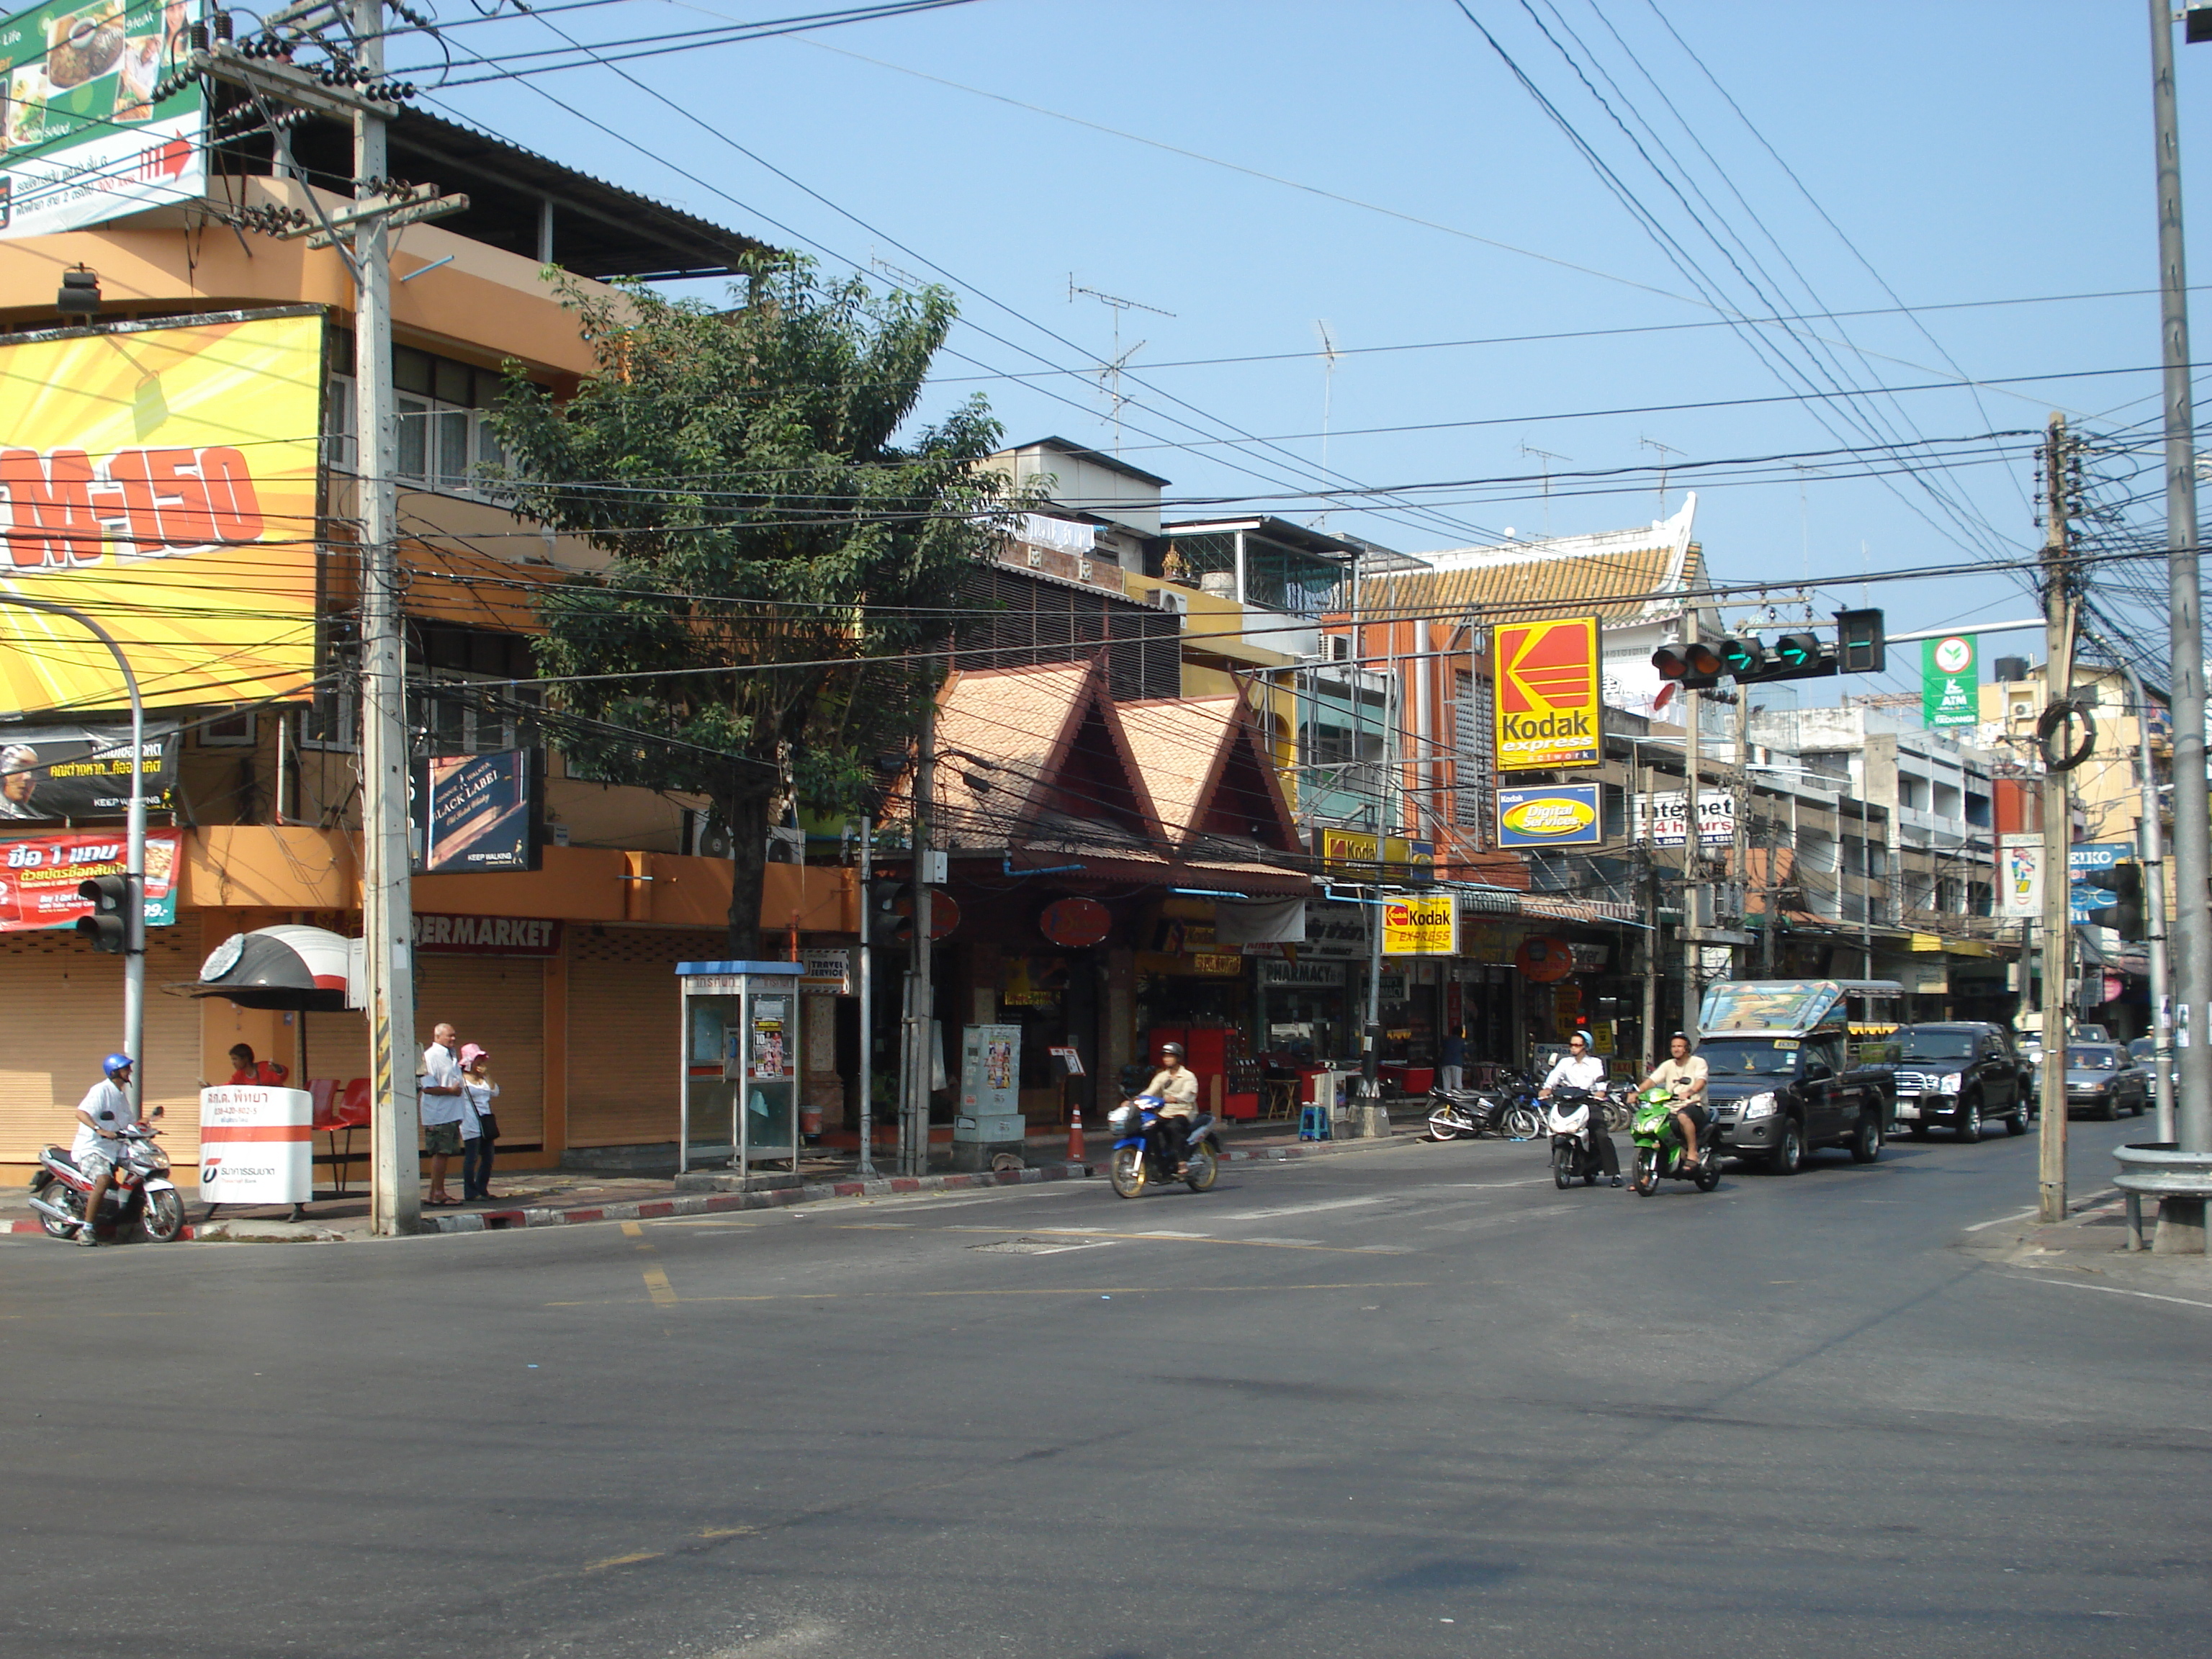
[(101, 1116), (1579, 1069), (1682, 1074), (439, 1093), (1176, 1086)]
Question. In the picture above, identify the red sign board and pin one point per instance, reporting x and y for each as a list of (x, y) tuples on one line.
[(1075, 922), (38, 878)]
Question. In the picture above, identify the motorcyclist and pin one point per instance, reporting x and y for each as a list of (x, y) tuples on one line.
[(1176, 1086), (1578, 1068), (101, 1116), (1682, 1074)]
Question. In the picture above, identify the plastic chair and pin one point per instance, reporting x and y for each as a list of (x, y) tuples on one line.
[(350, 1112)]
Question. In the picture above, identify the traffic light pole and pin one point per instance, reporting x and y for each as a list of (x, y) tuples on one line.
[(2057, 927), (1693, 849), (134, 848), (2149, 852)]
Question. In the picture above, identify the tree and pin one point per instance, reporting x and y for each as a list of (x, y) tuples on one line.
[(769, 543)]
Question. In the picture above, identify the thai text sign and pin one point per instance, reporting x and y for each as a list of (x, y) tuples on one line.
[(39, 874), (1421, 927), (72, 772), (82, 138), (257, 1146), (1546, 701), (1560, 815), (1950, 680), (167, 474)]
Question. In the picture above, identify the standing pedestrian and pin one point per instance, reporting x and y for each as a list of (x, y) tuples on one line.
[(440, 1091), (1451, 1060), (479, 1125)]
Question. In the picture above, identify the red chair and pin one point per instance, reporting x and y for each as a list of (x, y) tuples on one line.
[(348, 1111)]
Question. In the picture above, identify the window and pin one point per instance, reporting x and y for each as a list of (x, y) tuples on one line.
[(444, 436), (447, 718), (1471, 800), (233, 730)]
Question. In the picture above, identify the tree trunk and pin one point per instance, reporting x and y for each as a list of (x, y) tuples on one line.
[(745, 808)]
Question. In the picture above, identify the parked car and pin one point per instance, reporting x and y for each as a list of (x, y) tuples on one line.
[(2103, 1082), (1960, 1074)]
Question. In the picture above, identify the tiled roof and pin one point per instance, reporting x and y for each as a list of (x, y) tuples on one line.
[(1509, 584), (1184, 746)]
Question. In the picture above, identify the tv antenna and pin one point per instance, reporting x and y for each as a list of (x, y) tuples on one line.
[(1665, 450), (1329, 354), (1544, 459), (1109, 372)]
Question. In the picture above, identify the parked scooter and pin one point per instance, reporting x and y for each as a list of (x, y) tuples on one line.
[(1141, 1156), (141, 1193), (1660, 1150), (1510, 1111), (1576, 1122)]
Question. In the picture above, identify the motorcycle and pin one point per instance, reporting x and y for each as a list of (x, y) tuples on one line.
[(1569, 1116), (1660, 1148), (1141, 1150), (1510, 1111), (141, 1192)]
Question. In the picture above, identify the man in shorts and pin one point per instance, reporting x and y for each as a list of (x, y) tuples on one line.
[(439, 1094), (1682, 1074), (101, 1116)]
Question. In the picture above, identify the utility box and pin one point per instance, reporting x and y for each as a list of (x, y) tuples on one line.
[(741, 1036), (990, 1111)]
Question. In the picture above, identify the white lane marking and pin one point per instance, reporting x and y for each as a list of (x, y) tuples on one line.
[(1508, 1220), (1157, 1233), (2095, 1200), (2000, 1221), (1307, 1209), (2109, 1289)]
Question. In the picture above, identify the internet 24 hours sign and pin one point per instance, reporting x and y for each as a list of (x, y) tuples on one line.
[(1562, 815)]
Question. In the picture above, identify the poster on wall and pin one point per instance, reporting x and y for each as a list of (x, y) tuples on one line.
[(990, 1071), (477, 813), (2019, 878), (167, 473), (39, 876), (65, 773), (83, 137), (1545, 709)]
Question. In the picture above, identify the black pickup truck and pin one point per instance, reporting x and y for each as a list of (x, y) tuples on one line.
[(1781, 1077)]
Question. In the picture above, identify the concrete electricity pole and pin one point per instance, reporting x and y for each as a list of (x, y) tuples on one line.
[(2057, 832), (1693, 845), (920, 995), (2181, 1220)]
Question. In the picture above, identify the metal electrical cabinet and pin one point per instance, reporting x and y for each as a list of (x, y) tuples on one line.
[(741, 1058)]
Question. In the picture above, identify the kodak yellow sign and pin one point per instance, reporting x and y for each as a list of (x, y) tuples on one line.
[(1547, 698), (161, 479), (1421, 927)]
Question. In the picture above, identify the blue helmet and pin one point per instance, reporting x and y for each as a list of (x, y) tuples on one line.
[(115, 1063)]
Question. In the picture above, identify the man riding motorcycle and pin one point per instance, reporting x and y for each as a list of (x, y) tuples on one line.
[(101, 1116), (1578, 1068), (1682, 1074), (1176, 1086)]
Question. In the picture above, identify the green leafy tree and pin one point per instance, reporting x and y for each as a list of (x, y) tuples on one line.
[(769, 541)]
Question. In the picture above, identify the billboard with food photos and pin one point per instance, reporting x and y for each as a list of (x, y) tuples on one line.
[(164, 473), (1546, 701), (39, 876), (83, 137), (477, 813)]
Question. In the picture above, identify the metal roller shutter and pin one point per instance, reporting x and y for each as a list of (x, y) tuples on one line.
[(65, 1005), (624, 1029), (498, 1003)]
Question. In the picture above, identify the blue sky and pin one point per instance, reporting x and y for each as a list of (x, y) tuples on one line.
[(1968, 153)]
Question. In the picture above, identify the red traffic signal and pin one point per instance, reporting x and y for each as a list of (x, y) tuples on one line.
[(1693, 666)]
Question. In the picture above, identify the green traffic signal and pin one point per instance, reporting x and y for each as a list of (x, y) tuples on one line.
[(1743, 657)]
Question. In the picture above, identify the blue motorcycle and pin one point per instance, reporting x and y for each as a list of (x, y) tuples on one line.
[(1140, 1151)]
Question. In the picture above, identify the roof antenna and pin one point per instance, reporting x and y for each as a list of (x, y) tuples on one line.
[(1109, 372), (1329, 355), (1665, 450), (1544, 459)]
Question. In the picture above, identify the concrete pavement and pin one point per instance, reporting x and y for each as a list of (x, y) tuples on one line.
[(1412, 1402)]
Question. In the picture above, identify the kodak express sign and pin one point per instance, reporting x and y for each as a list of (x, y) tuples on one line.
[(1547, 698), (1426, 927), (163, 478)]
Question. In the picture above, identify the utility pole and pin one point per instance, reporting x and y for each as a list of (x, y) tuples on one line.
[(2148, 854), (920, 995), (1739, 841), (2057, 832), (2181, 1220), (1693, 846), (867, 969), (387, 906)]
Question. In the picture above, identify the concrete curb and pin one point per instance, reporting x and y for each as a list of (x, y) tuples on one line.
[(249, 1231)]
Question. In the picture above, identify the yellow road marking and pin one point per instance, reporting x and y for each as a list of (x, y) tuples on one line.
[(622, 1561), (1080, 1290), (657, 1287), (729, 1532), (631, 1230)]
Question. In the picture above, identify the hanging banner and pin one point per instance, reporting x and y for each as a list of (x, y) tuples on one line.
[(2019, 878), (167, 474), (1421, 927), (82, 139), (1546, 701), (39, 875), (1950, 680), (59, 773), (1557, 815)]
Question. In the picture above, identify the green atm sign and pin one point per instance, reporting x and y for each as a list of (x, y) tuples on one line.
[(1950, 682)]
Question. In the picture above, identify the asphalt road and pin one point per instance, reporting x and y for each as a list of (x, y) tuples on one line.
[(1405, 1402)]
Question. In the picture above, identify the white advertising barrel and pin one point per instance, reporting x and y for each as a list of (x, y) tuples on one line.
[(257, 1146)]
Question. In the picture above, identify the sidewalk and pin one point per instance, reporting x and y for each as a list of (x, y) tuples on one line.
[(2090, 1247), (558, 1198)]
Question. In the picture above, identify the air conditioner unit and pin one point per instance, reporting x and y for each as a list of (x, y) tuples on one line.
[(703, 837), (1172, 599), (1336, 647)]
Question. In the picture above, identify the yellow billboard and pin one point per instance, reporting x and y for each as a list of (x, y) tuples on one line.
[(1426, 927), (162, 478), (1546, 700)]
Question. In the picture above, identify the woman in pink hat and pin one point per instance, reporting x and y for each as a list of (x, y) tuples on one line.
[(479, 1125)]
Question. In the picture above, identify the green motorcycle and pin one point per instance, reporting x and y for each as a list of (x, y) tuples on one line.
[(1659, 1148)]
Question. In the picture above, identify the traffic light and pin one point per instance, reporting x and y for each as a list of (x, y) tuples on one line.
[(1746, 659), (1694, 667), (108, 926), (1862, 645), (2125, 915)]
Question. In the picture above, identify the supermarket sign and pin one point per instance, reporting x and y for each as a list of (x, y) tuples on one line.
[(38, 878)]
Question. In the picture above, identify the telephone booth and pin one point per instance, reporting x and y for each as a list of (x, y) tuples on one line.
[(741, 1059)]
